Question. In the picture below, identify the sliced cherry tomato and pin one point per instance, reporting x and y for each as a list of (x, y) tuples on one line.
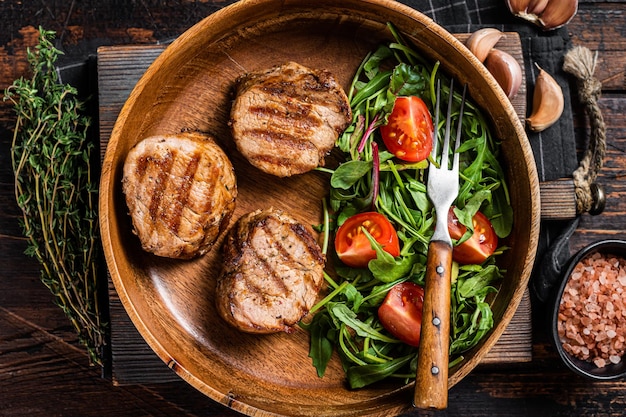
[(408, 133), (352, 245), (401, 312), (477, 248)]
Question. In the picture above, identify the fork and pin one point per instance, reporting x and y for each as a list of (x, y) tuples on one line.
[(431, 382)]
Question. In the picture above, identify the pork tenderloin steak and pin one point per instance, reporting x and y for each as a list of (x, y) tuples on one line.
[(272, 273), (181, 191), (286, 119)]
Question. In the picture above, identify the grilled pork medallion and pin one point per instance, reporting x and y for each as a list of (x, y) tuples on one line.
[(181, 192), (286, 119), (272, 273)]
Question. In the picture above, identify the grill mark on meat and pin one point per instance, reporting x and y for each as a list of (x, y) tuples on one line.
[(182, 195), (180, 191), (310, 244), (283, 140), (277, 281), (307, 88), (295, 102), (264, 263), (291, 146), (273, 270), (277, 161), (165, 166), (209, 202), (286, 115)]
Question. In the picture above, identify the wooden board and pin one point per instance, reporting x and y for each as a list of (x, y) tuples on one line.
[(132, 361)]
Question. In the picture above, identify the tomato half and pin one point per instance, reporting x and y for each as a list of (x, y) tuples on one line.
[(408, 133), (352, 245), (477, 248), (401, 312)]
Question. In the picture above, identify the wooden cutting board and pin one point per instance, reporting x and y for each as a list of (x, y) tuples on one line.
[(132, 360)]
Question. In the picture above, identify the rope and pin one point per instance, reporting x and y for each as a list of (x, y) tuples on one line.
[(581, 63)]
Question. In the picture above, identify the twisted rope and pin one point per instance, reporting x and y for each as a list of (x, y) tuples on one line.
[(581, 63)]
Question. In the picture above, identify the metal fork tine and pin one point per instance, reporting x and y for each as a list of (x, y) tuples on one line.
[(446, 139), (457, 142), (435, 150)]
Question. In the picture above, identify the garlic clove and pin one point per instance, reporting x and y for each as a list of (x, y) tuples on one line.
[(482, 41), (548, 14), (537, 6), (558, 13), (548, 102), (518, 6), (506, 70)]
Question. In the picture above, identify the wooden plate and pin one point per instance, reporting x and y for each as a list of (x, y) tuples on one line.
[(188, 87)]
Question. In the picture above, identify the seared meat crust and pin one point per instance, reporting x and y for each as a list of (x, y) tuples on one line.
[(286, 119), (272, 273), (180, 190)]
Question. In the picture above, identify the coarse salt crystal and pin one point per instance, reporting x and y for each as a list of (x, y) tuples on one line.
[(591, 310)]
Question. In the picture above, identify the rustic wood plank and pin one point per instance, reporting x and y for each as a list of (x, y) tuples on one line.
[(119, 68), (34, 361), (600, 27), (558, 199)]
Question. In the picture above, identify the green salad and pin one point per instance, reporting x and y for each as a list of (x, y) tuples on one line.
[(379, 220)]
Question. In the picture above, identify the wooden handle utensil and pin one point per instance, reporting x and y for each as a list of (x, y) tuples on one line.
[(431, 382)]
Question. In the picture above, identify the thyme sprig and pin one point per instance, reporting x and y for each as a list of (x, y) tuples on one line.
[(56, 191)]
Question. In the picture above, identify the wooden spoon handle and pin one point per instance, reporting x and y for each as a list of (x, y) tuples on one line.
[(431, 382)]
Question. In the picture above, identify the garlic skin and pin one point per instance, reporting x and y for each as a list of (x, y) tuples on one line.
[(548, 102), (482, 41), (547, 14), (506, 70)]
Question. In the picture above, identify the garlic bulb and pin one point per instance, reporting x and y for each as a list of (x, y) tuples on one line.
[(548, 14)]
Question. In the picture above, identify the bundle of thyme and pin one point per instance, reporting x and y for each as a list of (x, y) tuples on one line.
[(57, 192)]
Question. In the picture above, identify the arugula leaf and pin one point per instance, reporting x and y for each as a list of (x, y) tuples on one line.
[(348, 173), (344, 315), (360, 376), (375, 86), (406, 81), (477, 283), (321, 346), (385, 267), (372, 65)]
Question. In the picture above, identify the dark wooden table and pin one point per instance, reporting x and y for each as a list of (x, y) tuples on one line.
[(44, 371)]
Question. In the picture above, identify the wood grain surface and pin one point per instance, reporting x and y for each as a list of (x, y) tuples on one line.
[(43, 371)]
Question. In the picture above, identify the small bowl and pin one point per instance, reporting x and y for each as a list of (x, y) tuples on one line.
[(582, 367)]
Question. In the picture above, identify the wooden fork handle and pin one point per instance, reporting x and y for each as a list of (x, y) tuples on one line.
[(431, 382)]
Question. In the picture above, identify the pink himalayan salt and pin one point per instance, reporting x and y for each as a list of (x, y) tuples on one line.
[(591, 309)]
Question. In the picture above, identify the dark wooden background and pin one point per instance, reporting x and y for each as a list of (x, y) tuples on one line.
[(43, 370)]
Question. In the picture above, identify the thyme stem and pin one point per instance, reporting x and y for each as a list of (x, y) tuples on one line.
[(51, 161)]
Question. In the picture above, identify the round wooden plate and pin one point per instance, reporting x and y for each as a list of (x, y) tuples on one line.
[(188, 87)]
